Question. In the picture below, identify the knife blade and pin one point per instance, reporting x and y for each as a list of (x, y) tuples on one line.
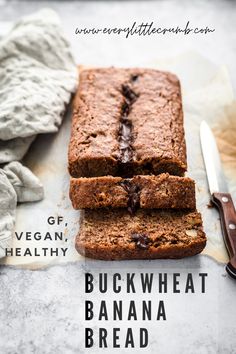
[(220, 196)]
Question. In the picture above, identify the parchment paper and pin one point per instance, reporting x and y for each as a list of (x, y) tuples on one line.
[(207, 94)]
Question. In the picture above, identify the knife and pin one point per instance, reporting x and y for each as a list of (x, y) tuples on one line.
[(219, 194)]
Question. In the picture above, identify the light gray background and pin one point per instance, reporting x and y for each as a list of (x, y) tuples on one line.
[(42, 311)]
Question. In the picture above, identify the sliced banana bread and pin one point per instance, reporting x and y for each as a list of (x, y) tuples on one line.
[(162, 191), (149, 234)]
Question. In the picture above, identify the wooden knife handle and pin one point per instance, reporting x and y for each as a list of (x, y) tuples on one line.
[(225, 205)]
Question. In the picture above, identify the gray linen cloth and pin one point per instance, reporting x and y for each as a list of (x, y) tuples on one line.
[(17, 184), (8, 200), (37, 77)]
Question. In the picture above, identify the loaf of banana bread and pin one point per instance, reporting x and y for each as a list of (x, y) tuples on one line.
[(162, 191), (127, 122), (149, 234)]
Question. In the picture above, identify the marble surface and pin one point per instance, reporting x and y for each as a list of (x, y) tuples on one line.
[(42, 311)]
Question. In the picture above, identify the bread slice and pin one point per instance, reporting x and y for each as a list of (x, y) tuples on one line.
[(149, 234), (162, 191), (127, 122)]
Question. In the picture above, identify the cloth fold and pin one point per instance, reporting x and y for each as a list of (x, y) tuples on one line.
[(27, 186), (8, 201), (17, 184), (37, 78)]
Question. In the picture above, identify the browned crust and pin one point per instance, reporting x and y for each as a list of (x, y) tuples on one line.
[(113, 253), (157, 135), (107, 237), (162, 191)]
